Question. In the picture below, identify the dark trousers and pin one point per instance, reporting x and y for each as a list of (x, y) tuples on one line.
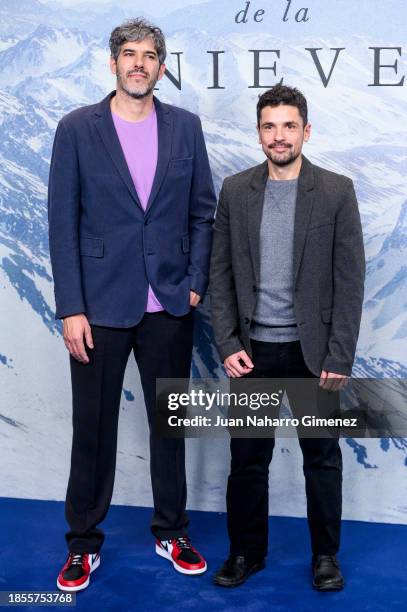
[(247, 491), (162, 346)]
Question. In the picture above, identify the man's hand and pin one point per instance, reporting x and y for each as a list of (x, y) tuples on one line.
[(75, 329), (239, 364), (331, 381), (194, 298)]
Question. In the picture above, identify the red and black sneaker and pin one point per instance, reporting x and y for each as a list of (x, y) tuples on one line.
[(74, 576), (182, 555)]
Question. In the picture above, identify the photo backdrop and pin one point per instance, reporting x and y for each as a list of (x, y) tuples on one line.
[(349, 59)]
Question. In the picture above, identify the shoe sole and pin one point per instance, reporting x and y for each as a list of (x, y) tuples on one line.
[(256, 568), (165, 555), (62, 587), (332, 587)]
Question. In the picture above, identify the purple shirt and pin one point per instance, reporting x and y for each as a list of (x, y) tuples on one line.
[(139, 141)]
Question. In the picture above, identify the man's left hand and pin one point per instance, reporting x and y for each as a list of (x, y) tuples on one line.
[(194, 298), (329, 381)]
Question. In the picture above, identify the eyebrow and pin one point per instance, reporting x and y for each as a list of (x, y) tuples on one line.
[(128, 50), (273, 124)]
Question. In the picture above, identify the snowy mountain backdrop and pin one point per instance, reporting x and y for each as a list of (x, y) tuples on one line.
[(54, 58)]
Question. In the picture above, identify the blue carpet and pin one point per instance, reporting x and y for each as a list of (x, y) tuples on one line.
[(132, 577)]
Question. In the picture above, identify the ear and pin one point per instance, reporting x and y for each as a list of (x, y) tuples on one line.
[(161, 72), (307, 132), (258, 134), (113, 65)]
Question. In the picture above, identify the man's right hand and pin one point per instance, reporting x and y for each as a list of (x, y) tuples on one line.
[(75, 329), (234, 366)]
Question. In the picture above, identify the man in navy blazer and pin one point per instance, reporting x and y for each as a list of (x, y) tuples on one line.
[(131, 205)]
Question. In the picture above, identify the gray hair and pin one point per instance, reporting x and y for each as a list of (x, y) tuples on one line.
[(136, 30)]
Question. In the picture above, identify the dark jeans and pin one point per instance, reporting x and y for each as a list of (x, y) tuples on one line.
[(162, 346), (247, 491)]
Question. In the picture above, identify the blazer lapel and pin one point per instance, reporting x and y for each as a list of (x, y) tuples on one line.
[(255, 202), (164, 128), (305, 199), (105, 126)]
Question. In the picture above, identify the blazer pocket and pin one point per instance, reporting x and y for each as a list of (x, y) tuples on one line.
[(326, 315), (185, 244), (92, 247), (181, 160)]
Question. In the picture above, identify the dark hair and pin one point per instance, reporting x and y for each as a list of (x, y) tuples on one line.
[(282, 94), (136, 30)]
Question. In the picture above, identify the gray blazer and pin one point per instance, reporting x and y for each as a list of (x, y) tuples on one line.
[(328, 265)]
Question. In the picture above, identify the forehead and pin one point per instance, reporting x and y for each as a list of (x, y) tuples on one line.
[(142, 45), (280, 114)]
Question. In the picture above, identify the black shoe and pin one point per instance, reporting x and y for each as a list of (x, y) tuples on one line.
[(237, 570), (327, 573)]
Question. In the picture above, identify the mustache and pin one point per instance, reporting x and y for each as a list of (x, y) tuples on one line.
[(280, 144), (137, 72)]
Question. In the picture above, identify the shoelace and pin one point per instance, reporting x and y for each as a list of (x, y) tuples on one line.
[(183, 543), (75, 559)]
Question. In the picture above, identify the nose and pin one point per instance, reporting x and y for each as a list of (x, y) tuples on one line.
[(279, 133), (138, 61)]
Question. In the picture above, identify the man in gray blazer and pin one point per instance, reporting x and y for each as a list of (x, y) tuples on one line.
[(286, 282)]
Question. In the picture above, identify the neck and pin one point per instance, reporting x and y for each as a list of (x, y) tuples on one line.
[(129, 108), (285, 173)]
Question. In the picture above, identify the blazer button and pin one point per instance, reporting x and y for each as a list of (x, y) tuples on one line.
[(254, 288), (246, 320)]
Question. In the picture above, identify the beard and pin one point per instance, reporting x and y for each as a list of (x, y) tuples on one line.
[(282, 159), (137, 91)]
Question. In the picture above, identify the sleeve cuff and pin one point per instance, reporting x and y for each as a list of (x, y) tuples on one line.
[(229, 348), (199, 285), (335, 366)]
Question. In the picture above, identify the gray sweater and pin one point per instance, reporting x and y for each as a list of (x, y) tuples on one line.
[(274, 318)]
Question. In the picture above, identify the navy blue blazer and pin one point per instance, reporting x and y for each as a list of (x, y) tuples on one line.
[(105, 250)]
